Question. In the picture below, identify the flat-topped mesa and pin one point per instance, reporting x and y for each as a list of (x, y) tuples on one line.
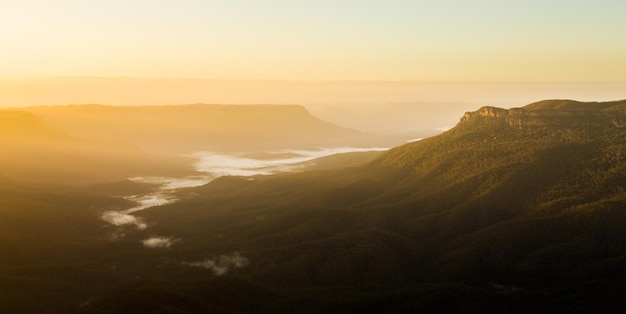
[(595, 115)]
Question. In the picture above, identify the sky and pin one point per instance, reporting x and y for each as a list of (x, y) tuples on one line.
[(365, 40)]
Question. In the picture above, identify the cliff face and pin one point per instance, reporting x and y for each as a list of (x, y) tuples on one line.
[(611, 117)]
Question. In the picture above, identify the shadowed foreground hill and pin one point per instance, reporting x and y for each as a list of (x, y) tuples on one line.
[(489, 216), (35, 151), (189, 128), (49, 236)]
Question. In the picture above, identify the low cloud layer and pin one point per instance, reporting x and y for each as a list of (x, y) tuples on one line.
[(120, 219), (150, 200), (159, 242), (240, 165), (223, 264)]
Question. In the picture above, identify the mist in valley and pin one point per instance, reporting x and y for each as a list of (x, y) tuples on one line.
[(312, 156)]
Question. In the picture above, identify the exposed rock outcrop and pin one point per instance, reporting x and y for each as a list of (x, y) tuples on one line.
[(593, 115)]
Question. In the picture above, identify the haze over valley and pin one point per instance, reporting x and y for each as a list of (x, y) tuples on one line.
[(417, 218), (312, 156)]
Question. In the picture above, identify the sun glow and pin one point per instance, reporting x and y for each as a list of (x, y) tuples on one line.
[(317, 40)]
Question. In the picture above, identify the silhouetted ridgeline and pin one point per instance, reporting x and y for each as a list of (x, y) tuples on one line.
[(558, 113)]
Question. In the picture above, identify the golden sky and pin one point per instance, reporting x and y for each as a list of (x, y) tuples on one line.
[(382, 40)]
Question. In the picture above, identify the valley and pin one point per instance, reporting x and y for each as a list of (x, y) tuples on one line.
[(312, 156), (493, 215)]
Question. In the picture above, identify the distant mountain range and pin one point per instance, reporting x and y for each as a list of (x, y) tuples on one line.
[(190, 128), (95, 143), (515, 211)]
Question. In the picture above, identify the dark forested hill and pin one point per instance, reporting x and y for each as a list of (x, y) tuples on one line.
[(49, 237)]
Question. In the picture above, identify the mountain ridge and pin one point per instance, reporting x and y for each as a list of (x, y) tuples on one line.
[(557, 113), (205, 127)]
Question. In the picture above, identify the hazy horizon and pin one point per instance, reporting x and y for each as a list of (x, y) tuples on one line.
[(346, 61), (147, 91), (397, 40), (378, 106)]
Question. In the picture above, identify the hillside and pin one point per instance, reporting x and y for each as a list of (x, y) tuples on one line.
[(49, 236), (488, 217), (35, 151), (189, 128)]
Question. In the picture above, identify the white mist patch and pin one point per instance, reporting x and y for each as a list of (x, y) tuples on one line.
[(149, 200), (223, 264), (175, 183), (124, 217), (159, 242), (213, 165), (242, 165), (121, 218)]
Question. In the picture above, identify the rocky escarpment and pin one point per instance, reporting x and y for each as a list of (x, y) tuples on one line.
[(604, 115)]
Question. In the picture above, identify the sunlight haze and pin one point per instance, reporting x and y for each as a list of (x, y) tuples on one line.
[(393, 40), (312, 156), (365, 64)]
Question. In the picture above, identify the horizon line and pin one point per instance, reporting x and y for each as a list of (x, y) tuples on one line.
[(277, 80)]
